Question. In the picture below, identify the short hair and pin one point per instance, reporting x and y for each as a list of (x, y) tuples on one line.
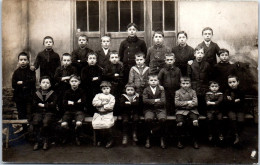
[(105, 84), (91, 53), (130, 85), (84, 35), (170, 55), (158, 32), (106, 35), (233, 76), (152, 75), (207, 28), (198, 48), (113, 52), (132, 24), (139, 54), (185, 78), (45, 77), (65, 54), (47, 37), (24, 54), (222, 51), (213, 82), (182, 32), (75, 76)]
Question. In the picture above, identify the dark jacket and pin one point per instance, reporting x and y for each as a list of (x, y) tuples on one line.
[(200, 75), (111, 69), (210, 52), (102, 59), (182, 56), (231, 105), (169, 77), (216, 97), (134, 106), (63, 72), (75, 96), (149, 98), (48, 61), (49, 100), (23, 91), (182, 97), (80, 54), (129, 47)]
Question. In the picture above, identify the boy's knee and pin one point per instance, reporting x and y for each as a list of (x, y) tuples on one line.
[(195, 123), (64, 124), (179, 124)]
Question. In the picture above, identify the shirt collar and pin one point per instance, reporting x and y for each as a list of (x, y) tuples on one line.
[(158, 46), (185, 91), (207, 43)]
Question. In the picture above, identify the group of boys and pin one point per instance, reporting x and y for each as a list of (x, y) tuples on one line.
[(144, 82)]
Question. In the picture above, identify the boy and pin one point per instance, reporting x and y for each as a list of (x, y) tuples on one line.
[(129, 47), (44, 116), (199, 72), (139, 73), (186, 113), (23, 83), (154, 101), (234, 102), (73, 101), (129, 102), (103, 119), (91, 76), (62, 77), (47, 60), (169, 77), (79, 56), (113, 73), (184, 54), (155, 58), (222, 69), (210, 48), (103, 53)]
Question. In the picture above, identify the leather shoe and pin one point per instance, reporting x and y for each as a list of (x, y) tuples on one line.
[(195, 145), (135, 137), (109, 144), (45, 146), (36, 146), (236, 139), (147, 144), (180, 145), (124, 141), (163, 146)]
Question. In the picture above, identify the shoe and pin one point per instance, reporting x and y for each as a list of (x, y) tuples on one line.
[(210, 138), (78, 141), (180, 145), (163, 146), (135, 137), (64, 141), (36, 146), (195, 145), (221, 137), (98, 144), (236, 139), (45, 146), (124, 141), (147, 144), (109, 144)]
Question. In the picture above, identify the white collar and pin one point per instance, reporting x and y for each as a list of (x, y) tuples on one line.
[(153, 89), (105, 50), (207, 43)]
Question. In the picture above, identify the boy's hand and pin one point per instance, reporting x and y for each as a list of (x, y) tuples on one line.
[(32, 68), (161, 87), (229, 98), (237, 100), (41, 105), (190, 62), (65, 78), (71, 102), (189, 103), (128, 102), (79, 101), (211, 103), (104, 102), (78, 60), (157, 100), (116, 74), (19, 82), (94, 78)]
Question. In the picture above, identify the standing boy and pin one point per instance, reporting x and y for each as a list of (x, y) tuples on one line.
[(103, 53)]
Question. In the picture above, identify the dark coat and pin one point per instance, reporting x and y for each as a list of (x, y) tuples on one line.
[(63, 72), (102, 59), (75, 96), (231, 105), (80, 54), (210, 52), (134, 106), (111, 69), (216, 97), (170, 77), (149, 98)]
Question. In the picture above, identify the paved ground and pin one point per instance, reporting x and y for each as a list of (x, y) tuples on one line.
[(21, 152)]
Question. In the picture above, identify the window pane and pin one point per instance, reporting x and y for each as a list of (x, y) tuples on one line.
[(138, 14), (81, 14), (125, 14), (169, 14), (93, 7), (112, 16), (157, 15)]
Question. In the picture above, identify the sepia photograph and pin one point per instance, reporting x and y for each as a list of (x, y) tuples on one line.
[(130, 81)]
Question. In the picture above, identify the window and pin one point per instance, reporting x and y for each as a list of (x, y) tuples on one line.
[(121, 13), (87, 16), (163, 15)]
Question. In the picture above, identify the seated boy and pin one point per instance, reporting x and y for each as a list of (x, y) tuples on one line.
[(214, 99), (79, 56), (103, 53), (155, 58), (154, 105), (73, 101), (234, 103), (129, 104), (44, 116), (103, 120), (186, 112), (169, 77)]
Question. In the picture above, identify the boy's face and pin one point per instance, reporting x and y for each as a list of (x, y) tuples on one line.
[(45, 84), (185, 84), (92, 60), (23, 61), (82, 41), (105, 42), (106, 90), (66, 61), (130, 91), (48, 43), (199, 54), (131, 31), (74, 83), (114, 58), (214, 87), (139, 60), (207, 34), (169, 60), (182, 39), (153, 81), (233, 83), (224, 57), (158, 39)]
